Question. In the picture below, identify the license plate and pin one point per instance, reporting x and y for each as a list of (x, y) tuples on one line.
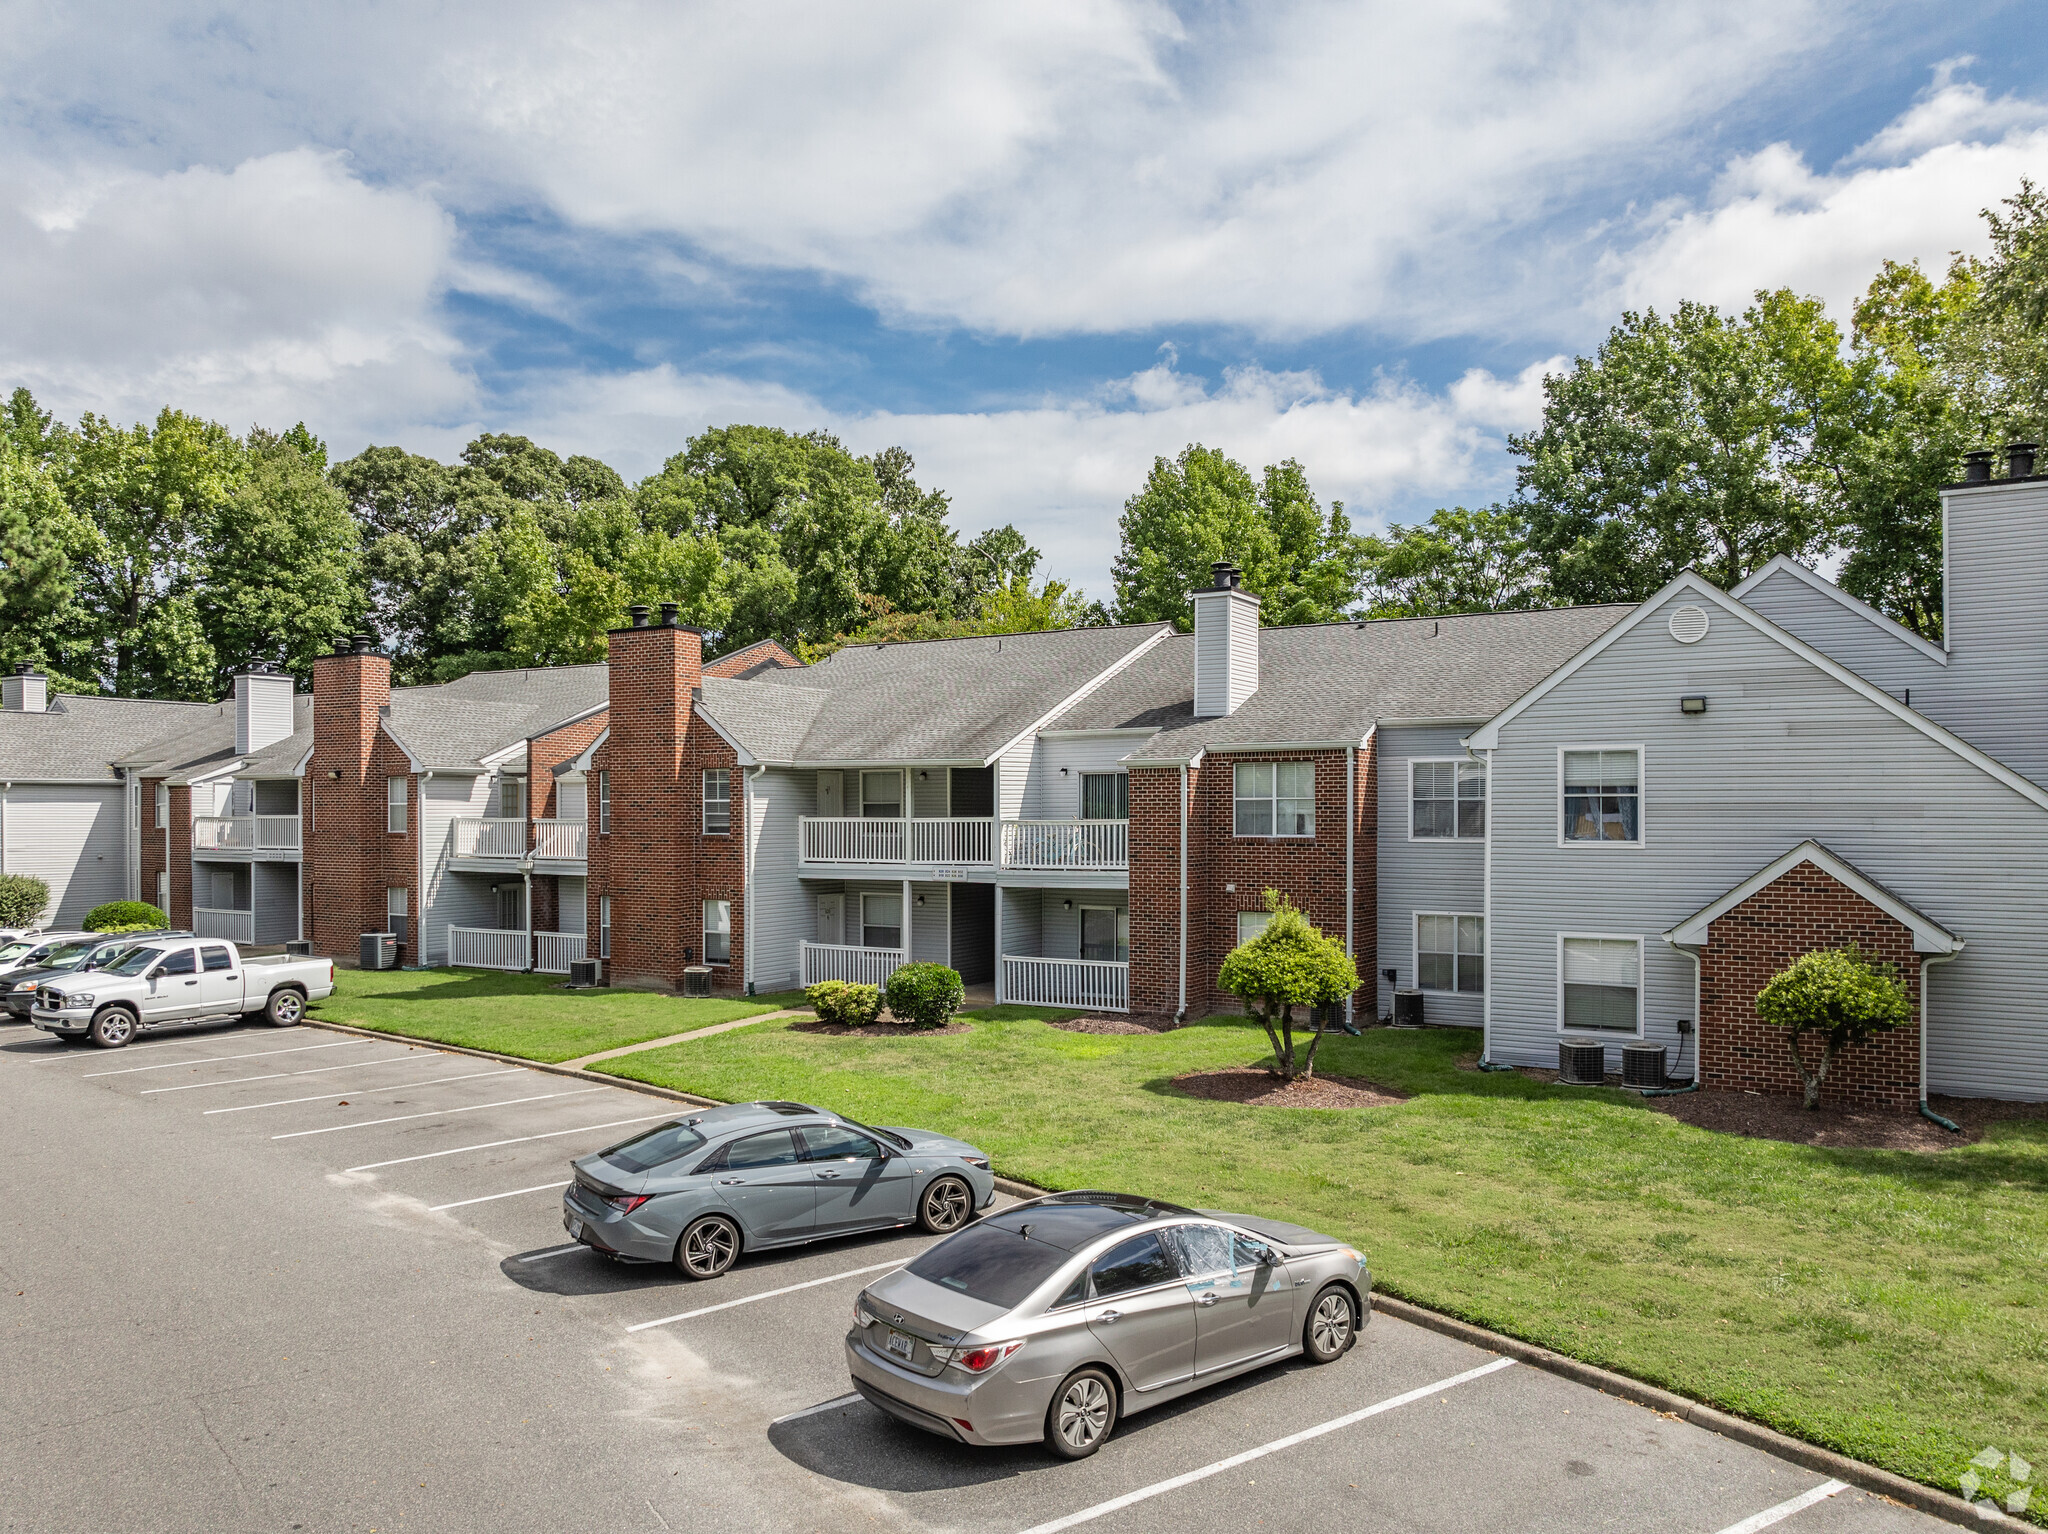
[(575, 1228), (901, 1345)]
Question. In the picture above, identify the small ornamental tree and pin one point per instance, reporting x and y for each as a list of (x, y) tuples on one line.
[(1839, 994), (124, 916), (1290, 964), (23, 897)]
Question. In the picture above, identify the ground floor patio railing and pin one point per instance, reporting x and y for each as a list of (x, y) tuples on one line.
[(863, 966), (1088, 985)]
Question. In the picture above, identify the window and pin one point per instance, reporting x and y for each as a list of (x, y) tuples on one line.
[(1250, 924), (511, 799), (572, 800), (1205, 1249), (217, 959), (1138, 1263), (831, 1143), (604, 803), (1448, 799), (656, 1147), (718, 932), (1276, 798), (1450, 953), (1603, 796), (604, 926), (1601, 984), (163, 890), (881, 795), (394, 806), (163, 805), (1105, 796), (881, 921), (183, 962), (395, 908), (1105, 933), (775, 1148), (717, 801)]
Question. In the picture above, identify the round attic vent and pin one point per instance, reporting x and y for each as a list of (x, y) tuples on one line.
[(1689, 624)]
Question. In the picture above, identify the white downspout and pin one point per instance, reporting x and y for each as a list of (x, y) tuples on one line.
[(1486, 905), (747, 782), (1350, 879), (1925, 964), (1181, 1013), (419, 921)]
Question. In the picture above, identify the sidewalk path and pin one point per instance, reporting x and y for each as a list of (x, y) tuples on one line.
[(676, 1038)]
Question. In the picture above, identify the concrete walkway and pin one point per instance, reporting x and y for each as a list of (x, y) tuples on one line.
[(677, 1038)]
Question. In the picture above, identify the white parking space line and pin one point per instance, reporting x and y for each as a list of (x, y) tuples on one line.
[(771, 1294), (811, 1411), (171, 1065), (1784, 1510), (196, 1038), (396, 1086), (554, 1251), (318, 1070), (464, 1203), (510, 1102), (1160, 1488), (556, 1134)]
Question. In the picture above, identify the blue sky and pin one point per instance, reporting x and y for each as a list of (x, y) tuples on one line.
[(1037, 245)]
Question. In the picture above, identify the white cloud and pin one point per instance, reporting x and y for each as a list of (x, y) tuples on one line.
[(1912, 193)]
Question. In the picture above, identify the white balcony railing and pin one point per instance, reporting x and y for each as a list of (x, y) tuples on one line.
[(1089, 985), (1062, 844), (478, 838), (556, 949), (960, 839), (564, 839), (487, 947), (847, 840), (245, 833), (863, 966), (235, 926)]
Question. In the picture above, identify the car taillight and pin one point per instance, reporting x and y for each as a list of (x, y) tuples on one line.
[(626, 1203), (330, 972), (982, 1358)]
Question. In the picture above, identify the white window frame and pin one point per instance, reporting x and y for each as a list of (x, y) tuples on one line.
[(1642, 797), (396, 806), (509, 785), (403, 911), (1273, 800), (902, 920), (708, 934), (1258, 920), (724, 777), (1123, 793), (1120, 924), (1415, 951), (604, 803), (604, 926), (1605, 937), (1466, 767), (860, 788), (162, 800), (163, 890)]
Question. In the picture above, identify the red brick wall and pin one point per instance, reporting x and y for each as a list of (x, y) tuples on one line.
[(656, 863), (544, 753), (1310, 871), (180, 912), (1797, 913), (761, 652), (151, 843), (350, 859)]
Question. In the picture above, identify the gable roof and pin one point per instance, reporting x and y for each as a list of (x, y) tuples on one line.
[(1786, 565), (1488, 734), (81, 738), (1929, 936), (743, 663), (466, 725)]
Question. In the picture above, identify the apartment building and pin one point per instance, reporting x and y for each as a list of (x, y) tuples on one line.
[(1606, 823)]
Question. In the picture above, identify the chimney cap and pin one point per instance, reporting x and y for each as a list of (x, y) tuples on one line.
[(1977, 466), (24, 668), (1225, 574), (2019, 460), (668, 614), (638, 613)]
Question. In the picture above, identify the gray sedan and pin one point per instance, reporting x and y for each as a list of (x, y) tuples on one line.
[(1054, 1318), (750, 1176)]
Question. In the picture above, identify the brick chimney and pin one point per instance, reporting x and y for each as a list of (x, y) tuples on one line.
[(654, 669), (349, 687)]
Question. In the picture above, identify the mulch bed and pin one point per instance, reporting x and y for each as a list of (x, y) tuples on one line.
[(1784, 1118), (1250, 1085), (881, 1030), (1108, 1025)]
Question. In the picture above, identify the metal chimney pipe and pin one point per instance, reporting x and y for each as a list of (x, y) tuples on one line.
[(2019, 460), (1977, 467)]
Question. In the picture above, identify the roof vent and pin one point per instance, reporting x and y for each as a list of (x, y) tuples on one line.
[(2019, 460), (27, 691), (1689, 624), (1226, 644), (1977, 467), (638, 611)]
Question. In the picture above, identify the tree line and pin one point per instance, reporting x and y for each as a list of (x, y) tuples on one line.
[(159, 558)]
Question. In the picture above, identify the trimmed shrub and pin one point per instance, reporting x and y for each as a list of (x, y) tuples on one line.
[(1288, 964), (1838, 993), (844, 1003), (124, 916), (926, 995), (23, 897), (133, 926)]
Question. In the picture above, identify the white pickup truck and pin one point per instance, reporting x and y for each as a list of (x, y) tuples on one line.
[(182, 982)]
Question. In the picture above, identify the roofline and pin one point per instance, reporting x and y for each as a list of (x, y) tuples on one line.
[(1425, 722), (1929, 936), (1136, 650), (412, 759), (503, 753), (1488, 735), (581, 761), (1137, 730), (575, 718), (746, 757), (1164, 761), (1827, 588)]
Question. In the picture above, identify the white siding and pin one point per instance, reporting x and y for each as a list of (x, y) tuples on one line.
[(1226, 651), (263, 711), (780, 912), (1873, 651), (72, 837), (450, 900), (1052, 797), (931, 924), (274, 897), (930, 792), (1016, 776), (572, 902), (1783, 753), (1428, 875), (1020, 913)]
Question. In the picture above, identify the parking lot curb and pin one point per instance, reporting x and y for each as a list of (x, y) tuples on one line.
[(645, 1088), (1884, 1483)]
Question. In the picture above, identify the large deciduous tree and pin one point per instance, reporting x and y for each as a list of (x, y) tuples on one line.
[(1458, 561)]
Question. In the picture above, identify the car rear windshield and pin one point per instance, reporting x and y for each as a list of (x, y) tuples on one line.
[(69, 954), (990, 1264), (14, 951), (136, 962), (658, 1147)]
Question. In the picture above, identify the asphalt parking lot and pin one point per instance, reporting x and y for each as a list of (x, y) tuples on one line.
[(275, 1280)]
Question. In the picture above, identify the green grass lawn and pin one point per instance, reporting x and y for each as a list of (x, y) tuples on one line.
[(531, 1016), (1887, 1304)]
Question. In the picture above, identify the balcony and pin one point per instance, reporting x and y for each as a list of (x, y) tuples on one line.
[(247, 835), (1087, 985), (474, 838), (235, 926), (956, 842), (506, 948), (862, 966)]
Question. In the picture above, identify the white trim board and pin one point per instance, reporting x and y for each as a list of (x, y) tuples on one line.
[(1929, 936), (1889, 627)]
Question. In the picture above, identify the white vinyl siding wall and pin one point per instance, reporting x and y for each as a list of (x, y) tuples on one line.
[(1052, 797), (72, 837), (1445, 874), (1783, 753), (451, 900), (780, 911), (1874, 653)]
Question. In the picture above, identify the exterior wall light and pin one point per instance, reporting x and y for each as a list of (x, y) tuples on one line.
[(1692, 705)]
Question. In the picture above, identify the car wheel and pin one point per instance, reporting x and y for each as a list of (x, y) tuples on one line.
[(1332, 1326), (945, 1206), (112, 1028), (1081, 1416), (709, 1246), (287, 1009)]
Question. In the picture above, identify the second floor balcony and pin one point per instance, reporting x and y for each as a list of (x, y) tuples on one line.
[(475, 838), (255, 836), (967, 842)]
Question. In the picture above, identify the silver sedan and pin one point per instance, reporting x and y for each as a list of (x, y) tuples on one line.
[(1052, 1320)]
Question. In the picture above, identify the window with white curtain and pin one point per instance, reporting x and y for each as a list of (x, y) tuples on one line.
[(1603, 796), (718, 932), (1447, 799), (1450, 952), (1600, 986), (1275, 798), (881, 795), (881, 921), (163, 805), (572, 800), (604, 926)]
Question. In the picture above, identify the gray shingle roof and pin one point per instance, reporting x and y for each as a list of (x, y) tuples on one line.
[(452, 726), (79, 738), (280, 759), (940, 700), (1332, 681)]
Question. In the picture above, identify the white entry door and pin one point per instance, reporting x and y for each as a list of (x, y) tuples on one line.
[(828, 797), (831, 918)]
